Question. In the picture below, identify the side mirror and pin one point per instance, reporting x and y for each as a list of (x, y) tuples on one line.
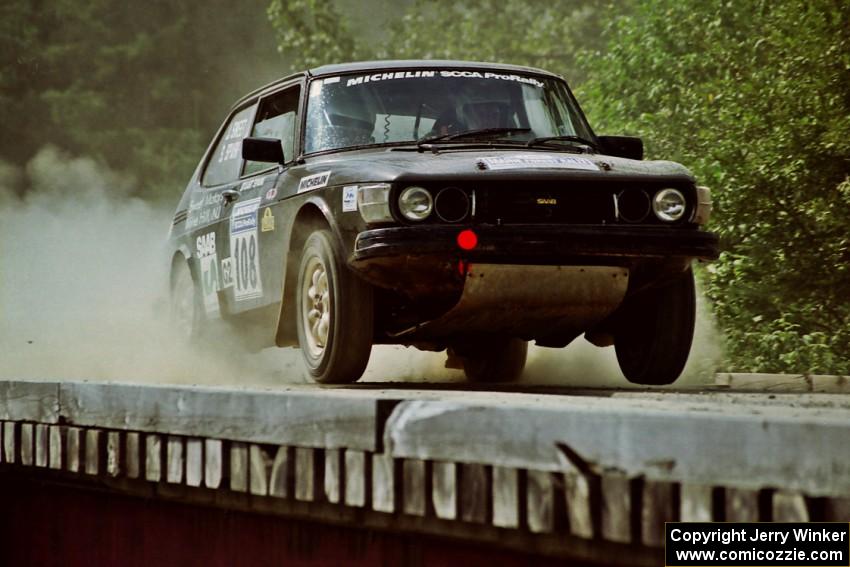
[(269, 150), (622, 146)]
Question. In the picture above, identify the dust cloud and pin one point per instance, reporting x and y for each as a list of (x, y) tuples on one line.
[(582, 364), (83, 292), (83, 296)]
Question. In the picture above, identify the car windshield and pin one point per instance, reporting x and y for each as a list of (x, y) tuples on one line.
[(406, 106)]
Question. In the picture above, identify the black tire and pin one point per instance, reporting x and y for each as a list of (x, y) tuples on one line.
[(496, 361), (654, 335), (185, 310), (335, 349)]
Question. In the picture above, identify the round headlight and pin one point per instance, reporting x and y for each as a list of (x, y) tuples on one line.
[(415, 203), (451, 204), (669, 205), (632, 205)]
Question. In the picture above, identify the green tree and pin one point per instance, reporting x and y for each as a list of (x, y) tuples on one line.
[(312, 33), (755, 97), (544, 34), (139, 86)]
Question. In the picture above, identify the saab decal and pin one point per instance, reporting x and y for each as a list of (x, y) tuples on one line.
[(206, 253)]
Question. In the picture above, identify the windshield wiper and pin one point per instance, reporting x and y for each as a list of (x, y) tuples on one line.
[(543, 140), (471, 133)]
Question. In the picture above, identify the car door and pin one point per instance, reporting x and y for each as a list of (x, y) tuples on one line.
[(211, 204), (256, 226)]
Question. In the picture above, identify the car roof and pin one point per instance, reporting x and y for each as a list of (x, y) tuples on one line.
[(339, 68), (354, 67)]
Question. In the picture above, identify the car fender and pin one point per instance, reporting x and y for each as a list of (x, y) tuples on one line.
[(182, 254), (314, 213)]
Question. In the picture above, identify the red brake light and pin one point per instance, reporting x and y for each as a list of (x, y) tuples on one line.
[(467, 240)]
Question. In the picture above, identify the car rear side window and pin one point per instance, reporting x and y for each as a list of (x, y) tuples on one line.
[(226, 160), (276, 119)]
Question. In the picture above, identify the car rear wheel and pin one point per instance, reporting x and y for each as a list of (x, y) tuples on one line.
[(655, 333), (185, 312), (495, 361), (334, 314)]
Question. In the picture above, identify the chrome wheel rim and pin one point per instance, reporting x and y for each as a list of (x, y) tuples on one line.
[(316, 306)]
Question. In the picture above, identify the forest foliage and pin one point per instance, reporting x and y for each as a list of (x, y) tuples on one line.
[(138, 86), (752, 95)]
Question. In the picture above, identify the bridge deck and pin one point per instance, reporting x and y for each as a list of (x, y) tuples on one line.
[(587, 474)]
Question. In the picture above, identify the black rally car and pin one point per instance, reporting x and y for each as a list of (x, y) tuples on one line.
[(438, 204)]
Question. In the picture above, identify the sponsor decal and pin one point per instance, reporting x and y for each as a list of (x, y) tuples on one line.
[(532, 161), (252, 184), (267, 223), (389, 76), (199, 201), (349, 198), (204, 208), (226, 273), (316, 181), (244, 249), (205, 250), (448, 73), (271, 194)]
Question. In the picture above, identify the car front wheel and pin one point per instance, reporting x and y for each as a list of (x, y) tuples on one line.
[(334, 314), (655, 332)]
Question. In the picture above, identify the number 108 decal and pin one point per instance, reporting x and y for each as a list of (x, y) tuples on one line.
[(244, 251), (247, 264)]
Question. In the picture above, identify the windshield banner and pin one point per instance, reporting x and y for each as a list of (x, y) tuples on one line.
[(353, 81)]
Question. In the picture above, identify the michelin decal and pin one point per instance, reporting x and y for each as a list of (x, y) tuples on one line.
[(312, 182)]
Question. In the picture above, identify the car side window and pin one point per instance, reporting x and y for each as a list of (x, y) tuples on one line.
[(276, 119), (226, 159)]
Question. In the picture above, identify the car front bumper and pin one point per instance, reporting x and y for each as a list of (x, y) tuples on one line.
[(537, 244)]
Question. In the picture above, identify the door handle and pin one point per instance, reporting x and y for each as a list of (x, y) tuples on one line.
[(230, 195)]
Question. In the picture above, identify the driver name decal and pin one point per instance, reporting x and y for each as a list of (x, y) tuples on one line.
[(245, 252), (523, 161)]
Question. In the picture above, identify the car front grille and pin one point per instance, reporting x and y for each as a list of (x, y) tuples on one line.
[(561, 202), (530, 205)]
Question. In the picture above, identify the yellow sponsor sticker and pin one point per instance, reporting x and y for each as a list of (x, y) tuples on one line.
[(267, 222)]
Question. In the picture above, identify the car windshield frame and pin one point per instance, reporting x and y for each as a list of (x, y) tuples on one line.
[(575, 112)]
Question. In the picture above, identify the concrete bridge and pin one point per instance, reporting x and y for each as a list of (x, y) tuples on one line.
[(107, 473)]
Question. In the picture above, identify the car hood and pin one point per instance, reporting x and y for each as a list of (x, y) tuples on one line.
[(402, 165)]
